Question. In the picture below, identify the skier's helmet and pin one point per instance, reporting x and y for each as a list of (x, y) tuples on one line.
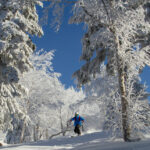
[(76, 113)]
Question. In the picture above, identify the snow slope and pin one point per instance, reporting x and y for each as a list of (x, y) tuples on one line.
[(90, 141)]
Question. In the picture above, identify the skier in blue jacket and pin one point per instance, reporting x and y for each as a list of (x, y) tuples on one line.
[(78, 120)]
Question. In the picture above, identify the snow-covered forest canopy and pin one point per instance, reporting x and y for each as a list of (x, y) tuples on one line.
[(34, 103)]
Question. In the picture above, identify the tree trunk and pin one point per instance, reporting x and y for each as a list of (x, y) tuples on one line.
[(124, 104), (23, 130), (121, 80), (61, 123), (36, 132), (46, 134)]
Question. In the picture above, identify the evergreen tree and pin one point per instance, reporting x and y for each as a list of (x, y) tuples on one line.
[(18, 20)]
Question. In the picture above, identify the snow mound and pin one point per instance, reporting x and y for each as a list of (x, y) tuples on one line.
[(90, 141)]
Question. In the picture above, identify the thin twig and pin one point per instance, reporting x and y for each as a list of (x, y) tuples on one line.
[(62, 1)]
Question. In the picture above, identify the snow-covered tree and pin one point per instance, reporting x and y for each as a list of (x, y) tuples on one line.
[(114, 28), (104, 91), (18, 20), (55, 9), (138, 109), (48, 102)]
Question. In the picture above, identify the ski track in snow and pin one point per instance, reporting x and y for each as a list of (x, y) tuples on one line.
[(92, 141)]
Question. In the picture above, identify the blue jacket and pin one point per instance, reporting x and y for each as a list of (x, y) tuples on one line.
[(77, 120)]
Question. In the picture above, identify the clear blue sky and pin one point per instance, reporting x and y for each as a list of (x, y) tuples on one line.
[(67, 43)]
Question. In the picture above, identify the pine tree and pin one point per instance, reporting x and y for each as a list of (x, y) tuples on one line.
[(113, 29), (18, 20)]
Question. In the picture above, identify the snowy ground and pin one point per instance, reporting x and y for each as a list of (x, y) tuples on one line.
[(90, 141)]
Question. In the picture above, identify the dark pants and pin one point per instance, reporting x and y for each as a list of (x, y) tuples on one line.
[(77, 129)]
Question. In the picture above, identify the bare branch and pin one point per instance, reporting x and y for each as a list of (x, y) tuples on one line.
[(106, 11), (62, 1)]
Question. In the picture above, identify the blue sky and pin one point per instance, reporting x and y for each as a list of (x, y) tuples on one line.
[(67, 43)]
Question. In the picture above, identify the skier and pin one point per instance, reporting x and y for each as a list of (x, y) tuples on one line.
[(78, 120)]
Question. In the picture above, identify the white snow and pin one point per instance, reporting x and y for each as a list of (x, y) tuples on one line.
[(90, 141)]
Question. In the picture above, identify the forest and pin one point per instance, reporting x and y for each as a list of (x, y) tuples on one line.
[(35, 105)]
